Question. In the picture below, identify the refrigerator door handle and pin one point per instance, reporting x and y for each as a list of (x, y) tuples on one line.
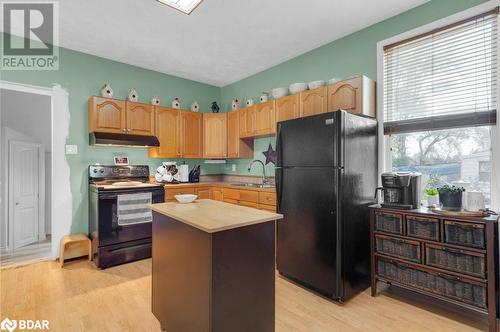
[(279, 144), (279, 189)]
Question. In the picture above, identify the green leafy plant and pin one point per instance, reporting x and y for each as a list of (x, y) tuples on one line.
[(431, 192), (450, 189)]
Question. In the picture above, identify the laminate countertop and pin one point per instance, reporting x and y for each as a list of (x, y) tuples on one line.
[(213, 216), (214, 184)]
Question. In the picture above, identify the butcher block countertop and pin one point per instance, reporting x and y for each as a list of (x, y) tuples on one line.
[(214, 216)]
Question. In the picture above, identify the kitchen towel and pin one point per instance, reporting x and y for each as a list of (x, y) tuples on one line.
[(133, 208)]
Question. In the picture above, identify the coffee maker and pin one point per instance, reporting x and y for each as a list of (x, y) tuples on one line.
[(401, 190)]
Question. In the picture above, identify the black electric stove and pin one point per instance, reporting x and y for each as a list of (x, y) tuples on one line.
[(119, 217)]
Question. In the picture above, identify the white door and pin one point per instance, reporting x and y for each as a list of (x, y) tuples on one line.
[(24, 190)]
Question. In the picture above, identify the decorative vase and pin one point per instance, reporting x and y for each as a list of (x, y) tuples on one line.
[(133, 95), (106, 91), (215, 108), (195, 107), (433, 200), (451, 200), (176, 103)]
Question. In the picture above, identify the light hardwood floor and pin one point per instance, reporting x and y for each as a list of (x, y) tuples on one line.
[(32, 253), (81, 298)]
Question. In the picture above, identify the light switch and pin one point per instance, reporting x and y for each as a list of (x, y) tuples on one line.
[(71, 149), (233, 167)]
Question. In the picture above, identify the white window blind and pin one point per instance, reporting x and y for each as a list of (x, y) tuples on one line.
[(443, 79)]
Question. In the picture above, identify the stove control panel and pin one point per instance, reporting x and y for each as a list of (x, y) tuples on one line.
[(118, 172)]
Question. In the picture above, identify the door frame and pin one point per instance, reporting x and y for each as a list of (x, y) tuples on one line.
[(40, 226), (61, 204)]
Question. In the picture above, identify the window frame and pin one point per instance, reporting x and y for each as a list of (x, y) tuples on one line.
[(385, 158)]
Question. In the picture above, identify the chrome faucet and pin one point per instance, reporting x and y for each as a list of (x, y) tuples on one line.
[(265, 179)]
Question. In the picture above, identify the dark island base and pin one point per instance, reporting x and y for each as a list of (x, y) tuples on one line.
[(215, 282)]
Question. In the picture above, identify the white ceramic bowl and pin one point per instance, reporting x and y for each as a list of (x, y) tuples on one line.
[(279, 92), (297, 87), (333, 81), (315, 84), (186, 198)]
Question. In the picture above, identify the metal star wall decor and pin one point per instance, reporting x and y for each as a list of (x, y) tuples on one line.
[(270, 155)]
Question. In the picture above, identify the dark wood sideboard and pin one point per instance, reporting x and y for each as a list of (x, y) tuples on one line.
[(454, 259)]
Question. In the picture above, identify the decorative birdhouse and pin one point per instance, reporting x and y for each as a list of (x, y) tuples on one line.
[(106, 91), (176, 103), (235, 104), (155, 101), (132, 95), (195, 107)]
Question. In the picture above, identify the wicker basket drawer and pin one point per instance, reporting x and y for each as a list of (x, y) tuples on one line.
[(389, 222), (462, 261), (422, 228), (464, 234), (406, 249), (445, 285)]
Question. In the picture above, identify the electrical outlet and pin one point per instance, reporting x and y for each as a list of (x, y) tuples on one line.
[(71, 149), (233, 167)]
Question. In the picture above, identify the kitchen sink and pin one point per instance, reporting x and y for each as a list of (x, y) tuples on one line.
[(253, 185)]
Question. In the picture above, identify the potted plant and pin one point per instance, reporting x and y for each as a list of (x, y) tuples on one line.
[(432, 196), (451, 196)]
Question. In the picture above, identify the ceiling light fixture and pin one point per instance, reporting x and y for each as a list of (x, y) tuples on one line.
[(185, 6)]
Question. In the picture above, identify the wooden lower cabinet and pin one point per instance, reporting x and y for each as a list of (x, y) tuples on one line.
[(203, 193), (171, 192), (258, 199), (217, 194)]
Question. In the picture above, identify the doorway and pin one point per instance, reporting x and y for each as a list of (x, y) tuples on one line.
[(26, 220)]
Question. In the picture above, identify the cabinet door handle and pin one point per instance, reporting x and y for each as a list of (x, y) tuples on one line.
[(124, 130)]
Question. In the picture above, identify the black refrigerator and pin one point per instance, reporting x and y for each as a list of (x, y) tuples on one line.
[(326, 175)]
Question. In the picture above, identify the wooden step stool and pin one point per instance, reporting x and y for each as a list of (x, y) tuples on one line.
[(74, 245)]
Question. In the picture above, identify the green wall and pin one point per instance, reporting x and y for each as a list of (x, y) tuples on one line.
[(348, 56), (82, 75)]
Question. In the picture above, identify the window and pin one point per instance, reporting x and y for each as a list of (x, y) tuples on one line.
[(440, 101)]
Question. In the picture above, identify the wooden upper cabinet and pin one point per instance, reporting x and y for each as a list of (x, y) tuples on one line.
[(265, 119), (247, 121), (106, 115), (313, 101), (191, 130), (140, 119), (236, 147), (168, 133), (287, 108), (355, 95), (214, 135)]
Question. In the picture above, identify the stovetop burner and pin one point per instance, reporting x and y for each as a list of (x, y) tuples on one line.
[(120, 177)]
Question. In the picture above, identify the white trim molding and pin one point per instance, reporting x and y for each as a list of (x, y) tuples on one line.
[(385, 163), (61, 204)]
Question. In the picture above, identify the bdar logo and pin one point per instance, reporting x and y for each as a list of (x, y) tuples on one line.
[(9, 325)]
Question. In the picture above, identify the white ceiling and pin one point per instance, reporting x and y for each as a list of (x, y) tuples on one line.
[(222, 41)]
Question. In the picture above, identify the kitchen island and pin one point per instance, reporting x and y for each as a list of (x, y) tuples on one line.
[(213, 267)]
